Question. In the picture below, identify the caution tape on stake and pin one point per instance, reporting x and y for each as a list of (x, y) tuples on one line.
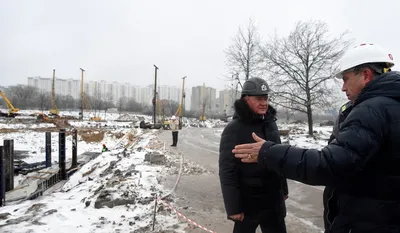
[(183, 216)]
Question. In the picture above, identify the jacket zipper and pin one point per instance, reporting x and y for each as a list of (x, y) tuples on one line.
[(327, 214)]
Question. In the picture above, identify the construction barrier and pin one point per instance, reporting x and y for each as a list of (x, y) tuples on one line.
[(183, 216)]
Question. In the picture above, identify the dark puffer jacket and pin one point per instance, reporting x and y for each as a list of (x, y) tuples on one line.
[(250, 188), (362, 163), (329, 196)]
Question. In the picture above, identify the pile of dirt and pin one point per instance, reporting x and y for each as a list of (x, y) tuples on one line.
[(5, 130), (67, 117), (91, 135), (61, 123)]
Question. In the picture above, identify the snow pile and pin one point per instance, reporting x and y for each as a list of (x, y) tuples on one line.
[(298, 135), (112, 193), (209, 123), (88, 114), (26, 126), (188, 167), (101, 124), (134, 118)]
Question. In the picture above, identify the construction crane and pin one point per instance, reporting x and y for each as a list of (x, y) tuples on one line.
[(12, 111), (182, 102), (179, 111), (85, 99), (54, 110)]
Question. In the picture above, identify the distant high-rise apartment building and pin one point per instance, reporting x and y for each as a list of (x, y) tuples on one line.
[(114, 91), (202, 95)]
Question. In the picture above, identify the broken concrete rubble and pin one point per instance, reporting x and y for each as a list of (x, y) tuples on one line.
[(154, 157)]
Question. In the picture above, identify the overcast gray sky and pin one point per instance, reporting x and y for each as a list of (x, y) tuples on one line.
[(121, 40)]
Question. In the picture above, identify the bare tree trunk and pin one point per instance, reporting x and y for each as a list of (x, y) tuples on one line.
[(310, 121)]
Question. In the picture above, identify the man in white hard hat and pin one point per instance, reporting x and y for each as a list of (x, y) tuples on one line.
[(174, 125), (362, 163)]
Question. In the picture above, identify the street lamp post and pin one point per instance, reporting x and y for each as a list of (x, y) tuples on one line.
[(155, 95), (82, 95)]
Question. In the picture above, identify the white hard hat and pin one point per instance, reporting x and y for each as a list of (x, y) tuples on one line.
[(173, 117), (362, 54)]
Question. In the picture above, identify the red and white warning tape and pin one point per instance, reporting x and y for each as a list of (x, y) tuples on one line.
[(183, 216)]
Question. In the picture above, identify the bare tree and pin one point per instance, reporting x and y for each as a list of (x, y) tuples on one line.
[(108, 102), (97, 101), (133, 106), (302, 66), (23, 95), (43, 100), (244, 55), (70, 102), (121, 104), (234, 93), (204, 103)]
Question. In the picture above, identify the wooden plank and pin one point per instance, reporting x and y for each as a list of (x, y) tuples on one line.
[(37, 177), (47, 172), (73, 169)]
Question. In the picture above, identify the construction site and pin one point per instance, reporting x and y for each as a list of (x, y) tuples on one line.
[(42, 153)]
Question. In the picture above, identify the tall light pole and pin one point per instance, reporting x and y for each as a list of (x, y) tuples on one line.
[(82, 95), (155, 95), (182, 102)]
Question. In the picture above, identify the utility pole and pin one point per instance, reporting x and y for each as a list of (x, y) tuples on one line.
[(82, 95), (155, 95), (53, 108), (182, 102), (53, 89), (202, 117)]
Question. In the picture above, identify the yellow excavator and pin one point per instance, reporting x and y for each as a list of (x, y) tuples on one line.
[(12, 111)]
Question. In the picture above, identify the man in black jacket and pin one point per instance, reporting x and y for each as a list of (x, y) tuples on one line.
[(362, 163), (329, 196), (252, 194)]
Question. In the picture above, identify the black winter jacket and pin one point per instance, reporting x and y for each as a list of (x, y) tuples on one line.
[(362, 163), (329, 197), (250, 188)]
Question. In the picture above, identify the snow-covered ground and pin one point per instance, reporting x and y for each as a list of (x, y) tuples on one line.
[(25, 126), (120, 179), (113, 193)]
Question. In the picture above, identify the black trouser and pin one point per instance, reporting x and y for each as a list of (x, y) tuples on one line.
[(174, 138), (274, 224)]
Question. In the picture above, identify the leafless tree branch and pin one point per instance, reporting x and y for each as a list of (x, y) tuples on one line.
[(244, 55), (302, 65)]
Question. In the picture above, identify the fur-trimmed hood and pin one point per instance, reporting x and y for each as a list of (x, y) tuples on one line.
[(244, 113)]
